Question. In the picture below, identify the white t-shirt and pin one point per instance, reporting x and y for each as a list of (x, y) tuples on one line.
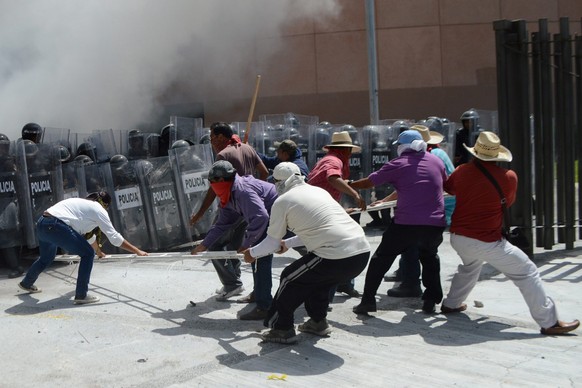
[(84, 215), (319, 221)]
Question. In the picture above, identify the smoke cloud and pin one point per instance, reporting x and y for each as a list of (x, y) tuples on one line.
[(98, 64)]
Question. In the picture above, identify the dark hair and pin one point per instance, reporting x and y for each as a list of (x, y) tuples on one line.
[(220, 128), (102, 197)]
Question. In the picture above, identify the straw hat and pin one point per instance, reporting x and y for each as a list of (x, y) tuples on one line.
[(429, 137), (489, 149), (342, 139)]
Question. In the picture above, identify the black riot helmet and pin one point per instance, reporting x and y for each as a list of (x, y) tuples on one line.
[(470, 119), (88, 149), (83, 160), (352, 131), (30, 148), (135, 138), (63, 154), (4, 145), (181, 144), (32, 132), (118, 159), (321, 137), (399, 126), (434, 124)]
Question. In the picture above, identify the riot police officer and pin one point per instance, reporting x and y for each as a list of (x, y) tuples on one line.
[(465, 134)]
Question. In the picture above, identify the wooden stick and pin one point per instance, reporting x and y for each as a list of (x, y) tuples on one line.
[(252, 110)]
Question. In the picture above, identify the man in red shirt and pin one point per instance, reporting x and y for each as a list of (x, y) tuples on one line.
[(476, 235)]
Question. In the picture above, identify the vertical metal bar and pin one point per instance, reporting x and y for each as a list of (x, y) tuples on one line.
[(372, 62), (569, 133), (578, 86), (538, 138), (559, 135), (514, 107), (547, 133)]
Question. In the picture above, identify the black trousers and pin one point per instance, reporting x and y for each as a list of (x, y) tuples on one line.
[(396, 240), (308, 280)]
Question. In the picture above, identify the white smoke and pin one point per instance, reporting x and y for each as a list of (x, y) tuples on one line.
[(97, 64)]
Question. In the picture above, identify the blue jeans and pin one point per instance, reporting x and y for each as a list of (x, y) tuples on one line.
[(263, 281), (53, 233)]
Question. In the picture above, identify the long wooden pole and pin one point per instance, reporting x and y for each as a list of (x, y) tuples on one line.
[(252, 110)]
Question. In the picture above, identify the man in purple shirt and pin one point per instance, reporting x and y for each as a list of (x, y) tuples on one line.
[(418, 178), (251, 199)]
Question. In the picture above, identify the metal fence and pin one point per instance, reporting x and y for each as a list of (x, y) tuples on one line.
[(540, 119)]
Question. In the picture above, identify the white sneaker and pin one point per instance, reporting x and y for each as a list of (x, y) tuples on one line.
[(88, 299), (224, 295), (219, 290)]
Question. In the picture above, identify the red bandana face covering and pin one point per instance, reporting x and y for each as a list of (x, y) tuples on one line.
[(222, 191)]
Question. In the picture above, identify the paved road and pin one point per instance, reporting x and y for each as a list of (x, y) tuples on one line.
[(145, 333)]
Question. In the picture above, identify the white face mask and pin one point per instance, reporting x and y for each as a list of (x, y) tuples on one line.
[(280, 186), (401, 148)]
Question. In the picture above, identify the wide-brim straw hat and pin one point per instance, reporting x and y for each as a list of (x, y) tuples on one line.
[(342, 139), (489, 149), (429, 137)]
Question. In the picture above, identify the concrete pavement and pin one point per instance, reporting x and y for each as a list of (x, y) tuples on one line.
[(145, 332)]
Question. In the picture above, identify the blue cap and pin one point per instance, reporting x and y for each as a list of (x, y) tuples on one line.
[(409, 136)]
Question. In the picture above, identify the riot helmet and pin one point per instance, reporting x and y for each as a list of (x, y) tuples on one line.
[(293, 121), (64, 154), (135, 139), (146, 166), (4, 145), (83, 160), (400, 126), (181, 144), (205, 139), (434, 124), (32, 132), (153, 145), (87, 149), (322, 137), (470, 119), (30, 148), (118, 159), (353, 132), (324, 124)]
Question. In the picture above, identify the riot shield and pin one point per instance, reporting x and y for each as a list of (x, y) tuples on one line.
[(14, 199), (44, 178), (377, 140), (190, 166), (161, 201), (295, 127), (100, 145), (259, 138), (185, 128), (130, 217)]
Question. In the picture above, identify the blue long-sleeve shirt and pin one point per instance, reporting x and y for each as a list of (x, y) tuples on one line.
[(250, 198), (272, 161)]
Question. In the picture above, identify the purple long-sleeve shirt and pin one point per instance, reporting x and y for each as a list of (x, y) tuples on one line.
[(250, 198), (418, 178)]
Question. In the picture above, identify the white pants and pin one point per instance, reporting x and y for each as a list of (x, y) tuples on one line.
[(509, 260)]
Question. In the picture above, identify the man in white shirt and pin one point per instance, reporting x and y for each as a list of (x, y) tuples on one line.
[(65, 225), (337, 252)]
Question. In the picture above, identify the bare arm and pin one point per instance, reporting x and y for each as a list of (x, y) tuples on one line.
[(341, 185), (132, 248), (262, 170), (363, 183), (208, 199)]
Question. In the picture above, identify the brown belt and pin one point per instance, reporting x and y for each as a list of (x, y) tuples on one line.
[(46, 214)]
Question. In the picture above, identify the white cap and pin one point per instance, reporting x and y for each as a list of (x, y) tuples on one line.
[(284, 170)]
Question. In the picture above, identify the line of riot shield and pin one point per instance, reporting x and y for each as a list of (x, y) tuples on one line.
[(185, 128), (190, 166), (168, 228), (100, 146), (14, 198), (377, 140), (44, 179), (130, 217)]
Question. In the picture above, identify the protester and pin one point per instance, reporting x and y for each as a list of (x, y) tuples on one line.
[(287, 151), (65, 225), (476, 234), (419, 220), (250, 199), (338, 252), (409, 266), (331, 173), (245, 160)]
